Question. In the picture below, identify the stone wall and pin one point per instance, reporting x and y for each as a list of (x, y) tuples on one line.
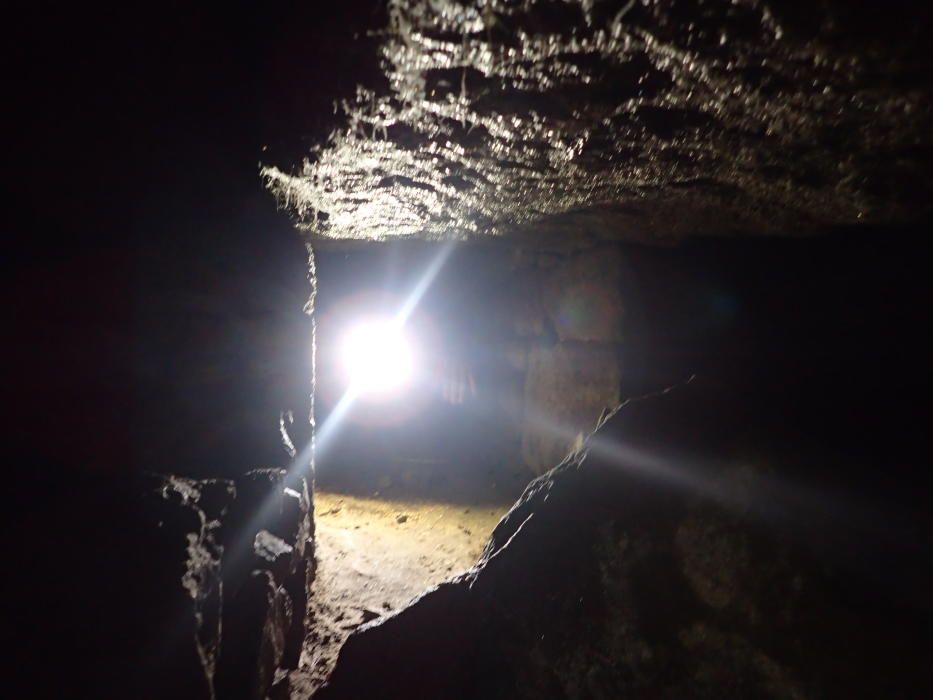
[(568, 316)]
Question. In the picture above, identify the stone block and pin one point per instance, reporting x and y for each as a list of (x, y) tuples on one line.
[(567, 387), (582, 296)]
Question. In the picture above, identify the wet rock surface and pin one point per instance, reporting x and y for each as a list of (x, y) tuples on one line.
[(269, 568), (660, 562), (127, 593), (644, 120), (208, 501), (257, 625), (146, 596)]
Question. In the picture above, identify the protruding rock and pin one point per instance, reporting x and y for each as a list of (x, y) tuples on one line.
[(652, 564), (255, 636)]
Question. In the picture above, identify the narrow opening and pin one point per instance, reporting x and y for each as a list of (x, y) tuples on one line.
[(439, 371)]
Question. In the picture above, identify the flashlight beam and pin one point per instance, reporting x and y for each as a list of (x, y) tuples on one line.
[(321, 439), (424, 283)]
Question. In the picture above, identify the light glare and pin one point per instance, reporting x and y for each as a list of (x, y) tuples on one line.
[(377, 358)]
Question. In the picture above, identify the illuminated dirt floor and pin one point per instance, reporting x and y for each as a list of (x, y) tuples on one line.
[(374, 556)]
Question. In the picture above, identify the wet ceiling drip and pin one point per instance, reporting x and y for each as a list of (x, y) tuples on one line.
[(642, 120)]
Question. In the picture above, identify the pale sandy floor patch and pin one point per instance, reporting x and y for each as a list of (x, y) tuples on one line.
[(374, 556)]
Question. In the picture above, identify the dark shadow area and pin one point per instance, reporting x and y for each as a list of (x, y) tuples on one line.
[(825, 336), (154, 298), (154, 303), (761, 530)]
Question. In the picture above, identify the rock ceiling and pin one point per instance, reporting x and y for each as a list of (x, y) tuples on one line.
[(640, 120)]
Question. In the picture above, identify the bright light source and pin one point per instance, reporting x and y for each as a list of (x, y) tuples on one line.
[(377, 358)]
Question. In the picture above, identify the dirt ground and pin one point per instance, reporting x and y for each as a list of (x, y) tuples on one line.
[(374, 556)]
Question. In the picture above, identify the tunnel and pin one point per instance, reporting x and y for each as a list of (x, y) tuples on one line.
[(462, 349)]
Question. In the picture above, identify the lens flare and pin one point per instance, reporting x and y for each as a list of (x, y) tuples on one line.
[(377, 358)]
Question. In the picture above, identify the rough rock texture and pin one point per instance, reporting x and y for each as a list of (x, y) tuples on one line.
[(581, 295), (257, 625), (208, 501), (268, 571), (567, 387), (572, 363), (645, 120), (633, 571), (125, 590), (145, 595), (267, 574)]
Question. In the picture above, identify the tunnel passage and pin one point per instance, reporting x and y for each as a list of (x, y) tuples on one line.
[(724, 526), (571, 123), (509, 355), (503, 337), (407, 503)]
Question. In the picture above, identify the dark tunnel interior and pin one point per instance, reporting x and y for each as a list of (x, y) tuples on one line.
[(452, 349)]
